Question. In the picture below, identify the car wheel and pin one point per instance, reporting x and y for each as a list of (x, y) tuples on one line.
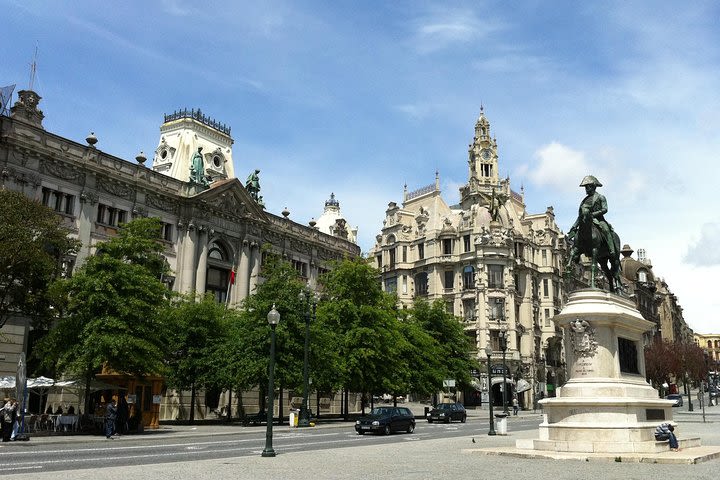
[(447, 419), (463, 419), (411, 428), (430, 420), (360, 432), (386, 431)]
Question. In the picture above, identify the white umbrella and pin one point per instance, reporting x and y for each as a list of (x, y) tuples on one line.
[(7, 382), (40, 382)]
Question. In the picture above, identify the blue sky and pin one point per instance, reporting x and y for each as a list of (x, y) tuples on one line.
[(361, 98)]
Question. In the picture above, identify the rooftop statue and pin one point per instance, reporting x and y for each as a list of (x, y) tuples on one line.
[(252, 185), (197, 168), (594, 237)]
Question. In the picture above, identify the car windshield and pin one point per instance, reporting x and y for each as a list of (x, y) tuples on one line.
[(444, 406), (381, 411)]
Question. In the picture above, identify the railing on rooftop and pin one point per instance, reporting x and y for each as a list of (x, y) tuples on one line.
[(421, 191), (200, 117)]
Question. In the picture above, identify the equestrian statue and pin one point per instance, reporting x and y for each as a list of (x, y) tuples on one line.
[(591, 235)]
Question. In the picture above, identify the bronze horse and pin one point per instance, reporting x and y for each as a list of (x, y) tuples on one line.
[(590, 242)]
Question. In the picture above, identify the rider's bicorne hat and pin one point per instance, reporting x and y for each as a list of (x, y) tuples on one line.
[(590, 180)]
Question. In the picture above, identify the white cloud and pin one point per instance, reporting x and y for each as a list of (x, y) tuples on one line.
[(442, 29), (560, 167), (704, 251)]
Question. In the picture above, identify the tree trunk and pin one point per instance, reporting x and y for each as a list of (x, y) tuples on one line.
[(192, 403)]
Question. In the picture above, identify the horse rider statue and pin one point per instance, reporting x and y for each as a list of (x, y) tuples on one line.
[(593, 236)]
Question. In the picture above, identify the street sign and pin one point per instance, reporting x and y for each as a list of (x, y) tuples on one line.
[(449, 383)]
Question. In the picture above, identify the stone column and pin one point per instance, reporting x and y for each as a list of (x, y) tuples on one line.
[(187, 266), (255, 258), (242, 278), (201, 272)]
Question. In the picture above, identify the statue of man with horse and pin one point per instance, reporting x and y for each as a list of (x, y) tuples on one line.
[(594, 237)]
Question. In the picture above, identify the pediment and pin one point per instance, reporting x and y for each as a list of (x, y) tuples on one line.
[(229, 198)]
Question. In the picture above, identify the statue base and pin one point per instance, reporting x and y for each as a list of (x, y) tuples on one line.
[(607, 406)]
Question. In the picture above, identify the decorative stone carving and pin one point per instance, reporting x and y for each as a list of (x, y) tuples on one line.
[(90, 197), (116, 189), (161, 203), (583, 339), (62, 171)]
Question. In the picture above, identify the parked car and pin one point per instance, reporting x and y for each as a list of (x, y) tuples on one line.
[(447, 412), (677, 398), (386, 420)]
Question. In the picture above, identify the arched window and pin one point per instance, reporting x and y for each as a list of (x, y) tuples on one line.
[(642, 276), (218, 271)]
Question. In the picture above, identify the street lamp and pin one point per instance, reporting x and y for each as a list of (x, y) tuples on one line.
[(503, 336), (488, 352), (273, 318), (310, 305)]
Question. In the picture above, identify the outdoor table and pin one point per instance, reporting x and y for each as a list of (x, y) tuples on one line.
[(66, 422)]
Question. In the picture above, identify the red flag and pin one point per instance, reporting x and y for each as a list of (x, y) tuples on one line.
[(232, 277)]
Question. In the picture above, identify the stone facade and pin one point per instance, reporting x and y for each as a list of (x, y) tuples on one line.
[(208, 232), (496, 267)]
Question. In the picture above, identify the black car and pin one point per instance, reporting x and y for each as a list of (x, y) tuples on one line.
[(447, 412), (677, 398), (386, 420)]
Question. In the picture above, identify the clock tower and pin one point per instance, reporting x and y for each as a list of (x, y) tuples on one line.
[(482, 154)]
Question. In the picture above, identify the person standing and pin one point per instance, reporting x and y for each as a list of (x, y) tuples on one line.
[(516, 407), (8, 418), (110, 418)]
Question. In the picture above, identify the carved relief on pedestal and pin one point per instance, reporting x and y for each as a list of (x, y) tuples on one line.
[(583, 339)]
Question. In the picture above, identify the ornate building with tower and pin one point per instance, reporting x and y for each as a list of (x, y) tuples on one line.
[(495, 266), (213, 224)]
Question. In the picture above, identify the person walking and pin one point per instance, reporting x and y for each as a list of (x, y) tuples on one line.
[(516, 407), (110, 418)]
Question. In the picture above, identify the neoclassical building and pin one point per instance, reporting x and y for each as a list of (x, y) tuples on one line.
[(212, 224), (496, 267)]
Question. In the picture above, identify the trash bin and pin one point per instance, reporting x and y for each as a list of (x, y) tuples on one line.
[(501, 423), (294, 417)]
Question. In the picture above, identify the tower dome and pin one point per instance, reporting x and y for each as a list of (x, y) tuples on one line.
[(333, 223)]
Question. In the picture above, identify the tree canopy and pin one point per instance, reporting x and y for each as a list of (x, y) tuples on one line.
[(33, 244), (112, 313)]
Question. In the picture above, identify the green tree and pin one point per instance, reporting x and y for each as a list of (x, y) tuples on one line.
[(365, 328), (246, 350), (33, 243), (453, 348), (198, 331), (112, 314)]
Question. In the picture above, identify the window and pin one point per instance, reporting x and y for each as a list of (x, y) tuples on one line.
[(466, 243), (495, 276), (301, 268), (495, 340), (450, 308), (546, 288), (421, 283), (421, 251), (447, 246), (468, 277), (391, 284), (547, 317), (404, 253), (404, 284), (469, 310), (642, 276), (58, 201), (544, 258), (449, 277), (217, 283), (111, 216), (392, 257), (379, 261), (497, 309), (166, 231)]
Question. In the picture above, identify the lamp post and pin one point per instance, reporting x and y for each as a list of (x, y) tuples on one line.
[(310, 305), (503, 346), (488, 352), (273, 318)]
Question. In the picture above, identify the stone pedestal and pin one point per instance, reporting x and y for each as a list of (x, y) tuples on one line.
[(607, 405)]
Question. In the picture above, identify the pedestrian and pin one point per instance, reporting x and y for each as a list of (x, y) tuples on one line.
[(110, 418), (665, 431), (122, 416), (8, 418), (516, 407)]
